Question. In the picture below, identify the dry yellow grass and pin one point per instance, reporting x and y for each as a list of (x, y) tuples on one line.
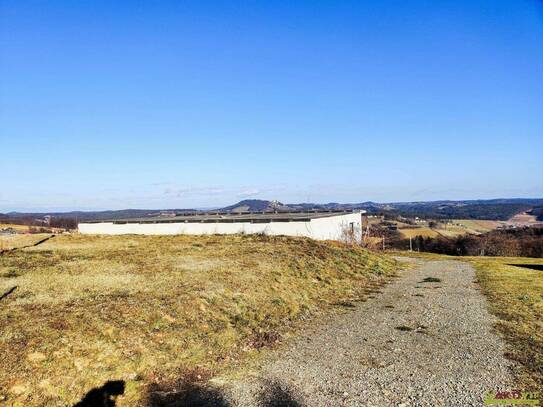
[(516, 297), (19, 228), (473, 226), (8, 242), (457, 228), (422, 231), (523, 218), (454, 231), (150, 309)]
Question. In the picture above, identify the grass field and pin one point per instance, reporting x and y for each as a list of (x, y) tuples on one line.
[(515, 296), (8, 242), (425, 231), (422, 231), (19, 228), (477, 226), (523, 218), (457, 228), (157, 311)]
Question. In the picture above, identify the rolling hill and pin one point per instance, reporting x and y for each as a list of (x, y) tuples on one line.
[(492, 209)]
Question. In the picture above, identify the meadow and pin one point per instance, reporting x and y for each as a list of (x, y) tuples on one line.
[(159, 311), (457, 227), (18, 228)]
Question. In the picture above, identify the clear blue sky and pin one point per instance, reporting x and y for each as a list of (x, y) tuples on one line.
[(199, 104)]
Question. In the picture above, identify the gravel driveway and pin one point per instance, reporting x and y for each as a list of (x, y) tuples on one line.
[(418, 343)]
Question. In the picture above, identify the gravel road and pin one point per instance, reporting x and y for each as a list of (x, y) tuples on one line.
[(416, 343)]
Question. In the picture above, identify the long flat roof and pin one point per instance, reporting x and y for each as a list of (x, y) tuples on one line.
[(228, 217)]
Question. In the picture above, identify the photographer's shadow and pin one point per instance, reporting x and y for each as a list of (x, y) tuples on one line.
[(104, 396)]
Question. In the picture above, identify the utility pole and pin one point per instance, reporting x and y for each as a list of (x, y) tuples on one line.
[(410, 244), (383, 242)]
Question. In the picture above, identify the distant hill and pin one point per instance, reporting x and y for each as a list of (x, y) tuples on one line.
[(96, 215), (491, 209), (481, 211), (256, 205)]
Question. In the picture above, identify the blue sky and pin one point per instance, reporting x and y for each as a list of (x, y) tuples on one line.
[(201, 104)]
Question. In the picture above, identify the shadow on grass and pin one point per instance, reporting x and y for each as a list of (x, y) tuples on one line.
[(8, 292), (538, 267), (104, 396)]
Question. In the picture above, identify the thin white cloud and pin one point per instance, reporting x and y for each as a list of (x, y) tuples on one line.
[(249, 193), (194, 191)]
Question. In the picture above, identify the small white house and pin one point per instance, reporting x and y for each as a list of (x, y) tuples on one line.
[(320, 225)]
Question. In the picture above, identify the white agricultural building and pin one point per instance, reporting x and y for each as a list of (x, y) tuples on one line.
[(320, 225)]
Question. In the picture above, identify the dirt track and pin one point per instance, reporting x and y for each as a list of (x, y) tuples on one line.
[(415, 344)]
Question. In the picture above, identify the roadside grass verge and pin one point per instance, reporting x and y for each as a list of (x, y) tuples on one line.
[(158, 311), (515, 297)]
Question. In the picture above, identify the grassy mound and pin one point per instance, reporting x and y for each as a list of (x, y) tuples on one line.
[(152, 310)]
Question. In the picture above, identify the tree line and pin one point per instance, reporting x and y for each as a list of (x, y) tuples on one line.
[(525, 242)]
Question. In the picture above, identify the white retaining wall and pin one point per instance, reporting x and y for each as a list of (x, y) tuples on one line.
[(326, 228)]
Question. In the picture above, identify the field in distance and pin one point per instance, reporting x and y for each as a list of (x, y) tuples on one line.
[(453, 228), (159, 310), (17, 228), (524, 218)]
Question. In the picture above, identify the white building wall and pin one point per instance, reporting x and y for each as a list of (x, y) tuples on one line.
[(326, 228)]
